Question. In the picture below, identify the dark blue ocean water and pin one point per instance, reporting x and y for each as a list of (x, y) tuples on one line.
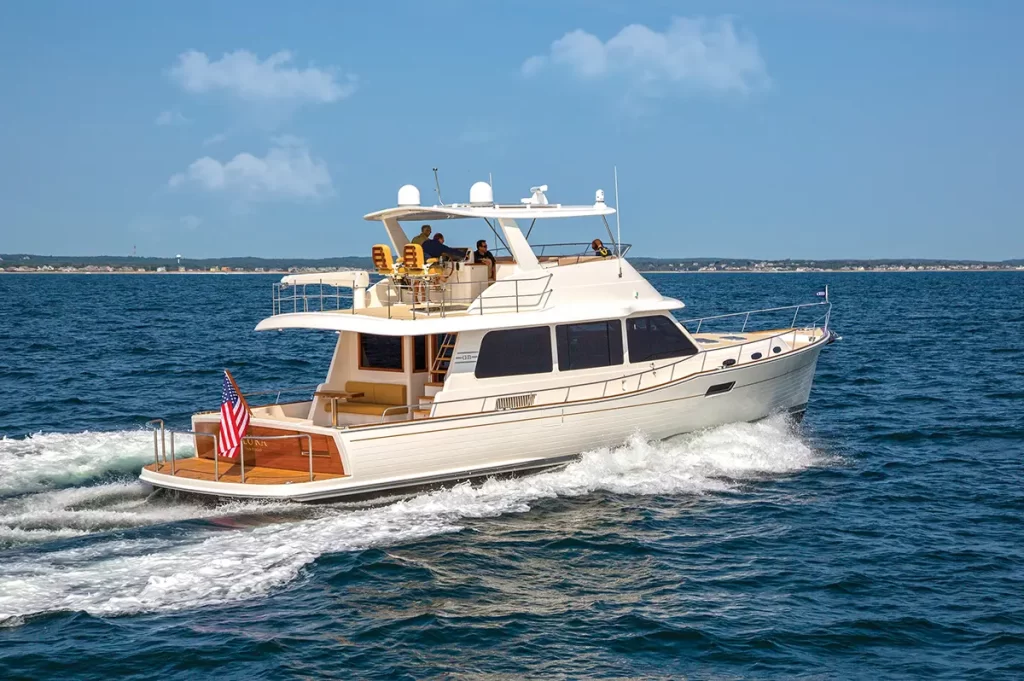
[(881, 538)]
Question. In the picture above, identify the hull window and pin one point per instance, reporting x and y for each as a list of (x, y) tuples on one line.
[(719, 389), (656, 337), (585, 346), (515, 352)]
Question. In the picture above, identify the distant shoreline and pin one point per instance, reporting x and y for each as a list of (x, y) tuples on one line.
[(734, 271)]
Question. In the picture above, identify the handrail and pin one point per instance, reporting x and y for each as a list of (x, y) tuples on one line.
[(278, 391), (701, 320), (638, 375), (448, 301), (216, 449), (162, 450)]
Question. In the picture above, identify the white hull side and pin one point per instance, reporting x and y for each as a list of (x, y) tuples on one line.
[(438, 450)]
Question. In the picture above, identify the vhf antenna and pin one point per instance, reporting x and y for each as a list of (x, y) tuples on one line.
[(618, 222), (437, 188)]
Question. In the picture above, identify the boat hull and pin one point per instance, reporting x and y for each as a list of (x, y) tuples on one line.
[(388, 458)]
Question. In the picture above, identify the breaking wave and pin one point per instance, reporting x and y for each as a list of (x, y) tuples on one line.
[(53, 460), (124, 575)]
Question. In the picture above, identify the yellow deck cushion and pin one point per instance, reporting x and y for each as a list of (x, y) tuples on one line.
[(364, 387), (389, 393)]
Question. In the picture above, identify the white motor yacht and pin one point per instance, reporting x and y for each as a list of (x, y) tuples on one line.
[(447, 369)]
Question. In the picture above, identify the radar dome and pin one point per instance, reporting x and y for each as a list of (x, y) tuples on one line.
[(408, 195), (481, 194)]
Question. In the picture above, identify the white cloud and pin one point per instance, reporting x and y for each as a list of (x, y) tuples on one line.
[(171, 118), (190, 221), (695, 53), (241, 73), (286, 172)]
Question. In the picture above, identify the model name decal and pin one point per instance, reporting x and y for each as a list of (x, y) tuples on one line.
[(466, 357)]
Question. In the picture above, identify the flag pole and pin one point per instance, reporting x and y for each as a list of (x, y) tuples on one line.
[(238, 391)]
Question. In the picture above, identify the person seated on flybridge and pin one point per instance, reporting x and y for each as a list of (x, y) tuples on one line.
[(435, 248), (482, 255), (599, 248), (422, 236)]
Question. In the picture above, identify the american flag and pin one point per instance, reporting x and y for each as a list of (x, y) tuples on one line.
[(234, 419)]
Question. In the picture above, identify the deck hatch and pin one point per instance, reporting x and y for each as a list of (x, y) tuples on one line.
[(720, 389)]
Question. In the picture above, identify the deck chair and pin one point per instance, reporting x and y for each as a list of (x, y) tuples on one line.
[(422, 273), (382, 260)]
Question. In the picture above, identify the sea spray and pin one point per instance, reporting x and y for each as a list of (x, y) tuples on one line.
[(201, 569), (53, 460)]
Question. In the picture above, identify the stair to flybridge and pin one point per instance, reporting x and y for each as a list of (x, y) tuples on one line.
[(443, 353), (442, 360)]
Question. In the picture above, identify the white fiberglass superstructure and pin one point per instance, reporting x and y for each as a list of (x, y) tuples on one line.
[(465, 367)]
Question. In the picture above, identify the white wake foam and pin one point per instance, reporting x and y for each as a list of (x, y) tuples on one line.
[(52, 460), (123, 576)]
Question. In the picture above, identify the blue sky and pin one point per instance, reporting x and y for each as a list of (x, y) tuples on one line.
[(747, 128)]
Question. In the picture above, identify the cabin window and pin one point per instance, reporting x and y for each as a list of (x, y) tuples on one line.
[(514, 352), (656, 337), (380, 353), (585, 346), (419, 353)]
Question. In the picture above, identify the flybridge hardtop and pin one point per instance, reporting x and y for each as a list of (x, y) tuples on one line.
[(465, 366), (481, 205)]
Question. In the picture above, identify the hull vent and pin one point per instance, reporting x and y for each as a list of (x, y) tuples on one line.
[(515, 402)]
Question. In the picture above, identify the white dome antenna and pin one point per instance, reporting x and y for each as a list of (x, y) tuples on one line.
[(408, 195), (481, 194), (599, 197)]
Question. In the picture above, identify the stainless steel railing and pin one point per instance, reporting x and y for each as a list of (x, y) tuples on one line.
[(674, 368), (415, 296), (279, 391), (161, 451), (746, 315), (161, 458)]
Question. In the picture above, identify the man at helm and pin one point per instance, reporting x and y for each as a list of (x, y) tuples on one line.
[(599, 248), (422, 236)]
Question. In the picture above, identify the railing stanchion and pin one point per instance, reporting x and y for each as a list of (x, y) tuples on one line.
[(156, 450), (309, 448), (216, 457), (745, 320), (173, 471)]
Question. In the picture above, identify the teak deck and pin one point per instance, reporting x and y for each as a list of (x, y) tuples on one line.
[(202, 469)]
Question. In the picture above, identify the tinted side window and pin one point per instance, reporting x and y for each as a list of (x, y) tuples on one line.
[(380, 352), (419, 353), (514, 352), (585, 346), (656, 337)]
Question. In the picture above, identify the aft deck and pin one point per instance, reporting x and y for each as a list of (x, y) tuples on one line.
[(204, 469)]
